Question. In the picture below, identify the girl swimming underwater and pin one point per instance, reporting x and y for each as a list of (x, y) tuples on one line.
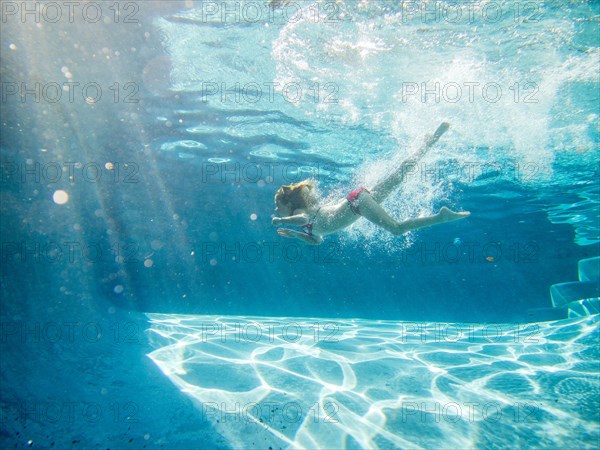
[(298, 205)]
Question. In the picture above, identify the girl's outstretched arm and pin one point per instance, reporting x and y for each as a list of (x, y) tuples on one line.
[(313, 240)]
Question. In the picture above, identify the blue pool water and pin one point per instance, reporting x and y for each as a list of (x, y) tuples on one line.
[(147, 300)]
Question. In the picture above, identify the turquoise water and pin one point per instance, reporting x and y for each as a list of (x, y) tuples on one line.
[(147, 300)]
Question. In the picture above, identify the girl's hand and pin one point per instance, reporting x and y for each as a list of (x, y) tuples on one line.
[(276, 221), (286, 232)]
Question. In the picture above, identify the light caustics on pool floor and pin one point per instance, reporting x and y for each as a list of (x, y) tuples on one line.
[(317, 383)]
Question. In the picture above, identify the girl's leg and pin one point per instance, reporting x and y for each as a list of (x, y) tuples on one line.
[(384, 188), (373, 212)]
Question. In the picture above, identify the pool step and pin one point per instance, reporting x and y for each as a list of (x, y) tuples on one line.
[(574, 298), (547, 314), (589, 269), (582, 308), (563, 294)]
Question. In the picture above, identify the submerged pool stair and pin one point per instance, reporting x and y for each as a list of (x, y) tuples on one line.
[(580, 298), (573, 298)]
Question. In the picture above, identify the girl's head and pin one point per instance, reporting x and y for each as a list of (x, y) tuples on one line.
[(295, 196)]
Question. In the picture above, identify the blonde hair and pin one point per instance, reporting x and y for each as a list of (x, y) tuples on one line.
[(294, 196)]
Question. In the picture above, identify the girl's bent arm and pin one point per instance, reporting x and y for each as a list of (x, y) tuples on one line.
[(309, 239), (298, 219)]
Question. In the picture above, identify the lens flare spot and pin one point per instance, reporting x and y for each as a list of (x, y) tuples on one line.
[(60, 197)]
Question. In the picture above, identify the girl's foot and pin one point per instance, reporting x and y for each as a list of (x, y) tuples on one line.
[(448, 215)]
